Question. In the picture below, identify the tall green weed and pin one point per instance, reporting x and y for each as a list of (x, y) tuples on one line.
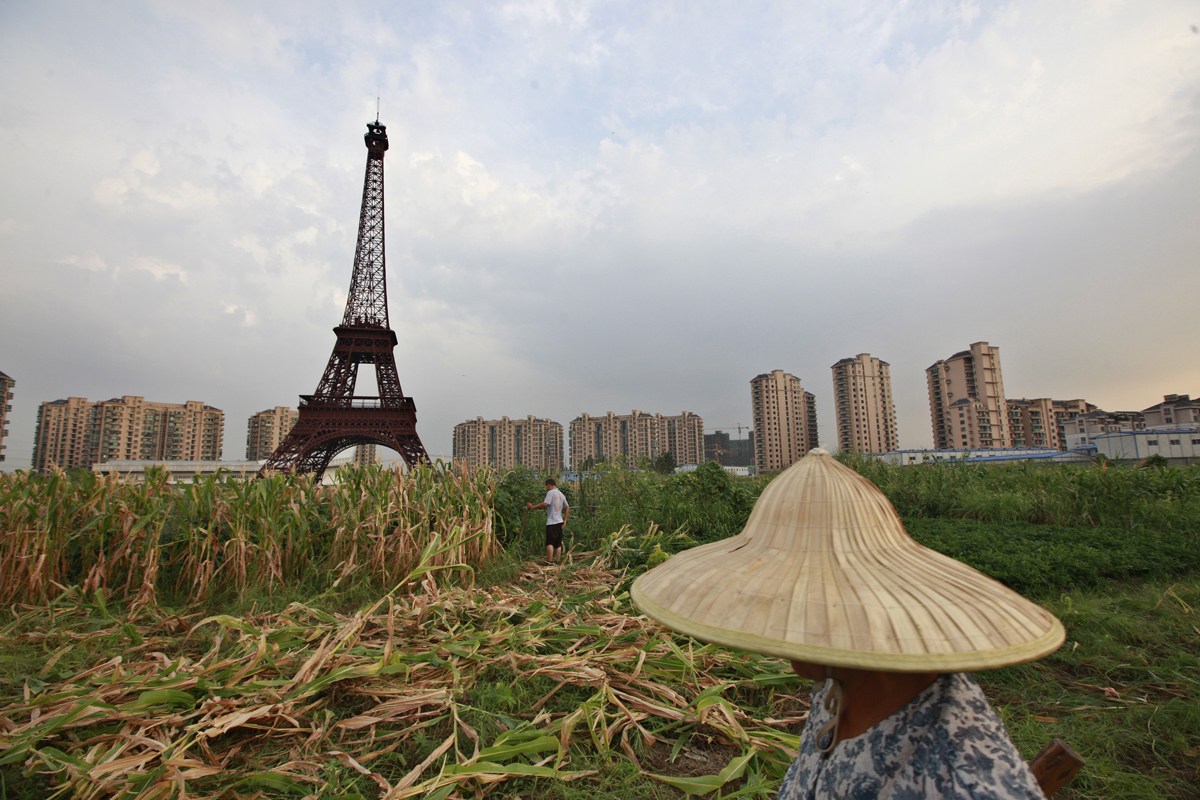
[(1103, 495), (702, 505)]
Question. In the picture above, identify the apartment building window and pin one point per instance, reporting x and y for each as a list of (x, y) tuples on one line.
[(1152, 442), (1173, 442)]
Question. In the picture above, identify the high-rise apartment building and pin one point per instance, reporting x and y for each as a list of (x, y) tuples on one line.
[(62, 437), (966, 400), (6, 396), (1042, 422), (1032, 422), (130, 428), (785, 420), (366, 455), (78, 433), (505, 443), (266, 429), (865, 410), (681, 435), (635, 437)]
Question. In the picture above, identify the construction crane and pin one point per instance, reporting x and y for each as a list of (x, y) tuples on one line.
[(740, 427)]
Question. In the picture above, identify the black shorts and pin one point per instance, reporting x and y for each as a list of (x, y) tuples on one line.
[(554, 535)]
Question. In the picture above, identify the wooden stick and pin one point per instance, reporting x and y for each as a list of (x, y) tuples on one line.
[(1055, 766)]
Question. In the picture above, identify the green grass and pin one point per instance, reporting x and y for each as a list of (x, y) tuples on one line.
[(1124, 691), (1046, 560)]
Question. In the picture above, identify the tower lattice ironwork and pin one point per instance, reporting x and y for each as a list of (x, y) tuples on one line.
[(333, 417)]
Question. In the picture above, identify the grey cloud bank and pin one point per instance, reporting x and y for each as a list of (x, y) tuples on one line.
[(598, 206)]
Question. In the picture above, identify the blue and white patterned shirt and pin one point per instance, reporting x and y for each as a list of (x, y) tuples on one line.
[(946, 743)]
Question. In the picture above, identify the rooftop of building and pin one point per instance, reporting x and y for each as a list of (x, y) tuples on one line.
[(1175, 401), (855, 360)]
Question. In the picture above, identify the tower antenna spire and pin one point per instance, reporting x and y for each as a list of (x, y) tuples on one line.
[(377, 106)]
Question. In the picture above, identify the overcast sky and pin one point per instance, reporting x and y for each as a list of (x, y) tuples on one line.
[(599, 206)]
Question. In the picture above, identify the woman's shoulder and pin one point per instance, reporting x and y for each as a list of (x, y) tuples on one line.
[(974, 750)]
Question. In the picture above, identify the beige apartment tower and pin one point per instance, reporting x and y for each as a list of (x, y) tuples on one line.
[(61, 437), (366, 455), (966, 400), (637, 437), (865, 410), (266, 429), (1042, 422), (506, 443), (1032, 423), (78, 433), (6, 396), (785, 420)]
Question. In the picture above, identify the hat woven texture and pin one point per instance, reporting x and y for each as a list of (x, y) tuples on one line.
[(825, 573)]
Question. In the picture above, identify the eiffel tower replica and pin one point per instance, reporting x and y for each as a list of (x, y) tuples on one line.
[(333, 418)]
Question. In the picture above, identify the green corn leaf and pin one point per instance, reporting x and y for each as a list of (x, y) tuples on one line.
[(271, 780), (54, 755), (163, 697), (227, 621), (704, 784), (504, 750)]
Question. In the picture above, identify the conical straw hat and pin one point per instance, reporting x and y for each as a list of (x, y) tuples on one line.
[(825, 573)]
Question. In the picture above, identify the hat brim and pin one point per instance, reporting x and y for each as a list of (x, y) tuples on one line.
[(824, 573)]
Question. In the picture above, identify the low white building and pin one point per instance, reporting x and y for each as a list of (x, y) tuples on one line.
[(1177, 445), (729, 470), (191, 471), (981, 456)]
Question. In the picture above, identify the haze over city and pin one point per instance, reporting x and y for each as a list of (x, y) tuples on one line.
[(598, 207)]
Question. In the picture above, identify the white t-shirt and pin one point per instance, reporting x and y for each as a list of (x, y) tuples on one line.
[(555, 502)]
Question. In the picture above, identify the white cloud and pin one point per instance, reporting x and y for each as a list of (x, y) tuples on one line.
[(139, 178), (111, 191), (246, 316), (583, 198), (145, 163), (90, 262), (161, 270)]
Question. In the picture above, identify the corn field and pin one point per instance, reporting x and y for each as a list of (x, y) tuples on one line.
[(139, 543), (142, 687)]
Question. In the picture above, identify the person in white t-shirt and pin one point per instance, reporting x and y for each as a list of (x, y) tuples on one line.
[(558, 511)]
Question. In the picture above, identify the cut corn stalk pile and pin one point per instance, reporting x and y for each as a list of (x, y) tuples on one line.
[(444, 691)]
